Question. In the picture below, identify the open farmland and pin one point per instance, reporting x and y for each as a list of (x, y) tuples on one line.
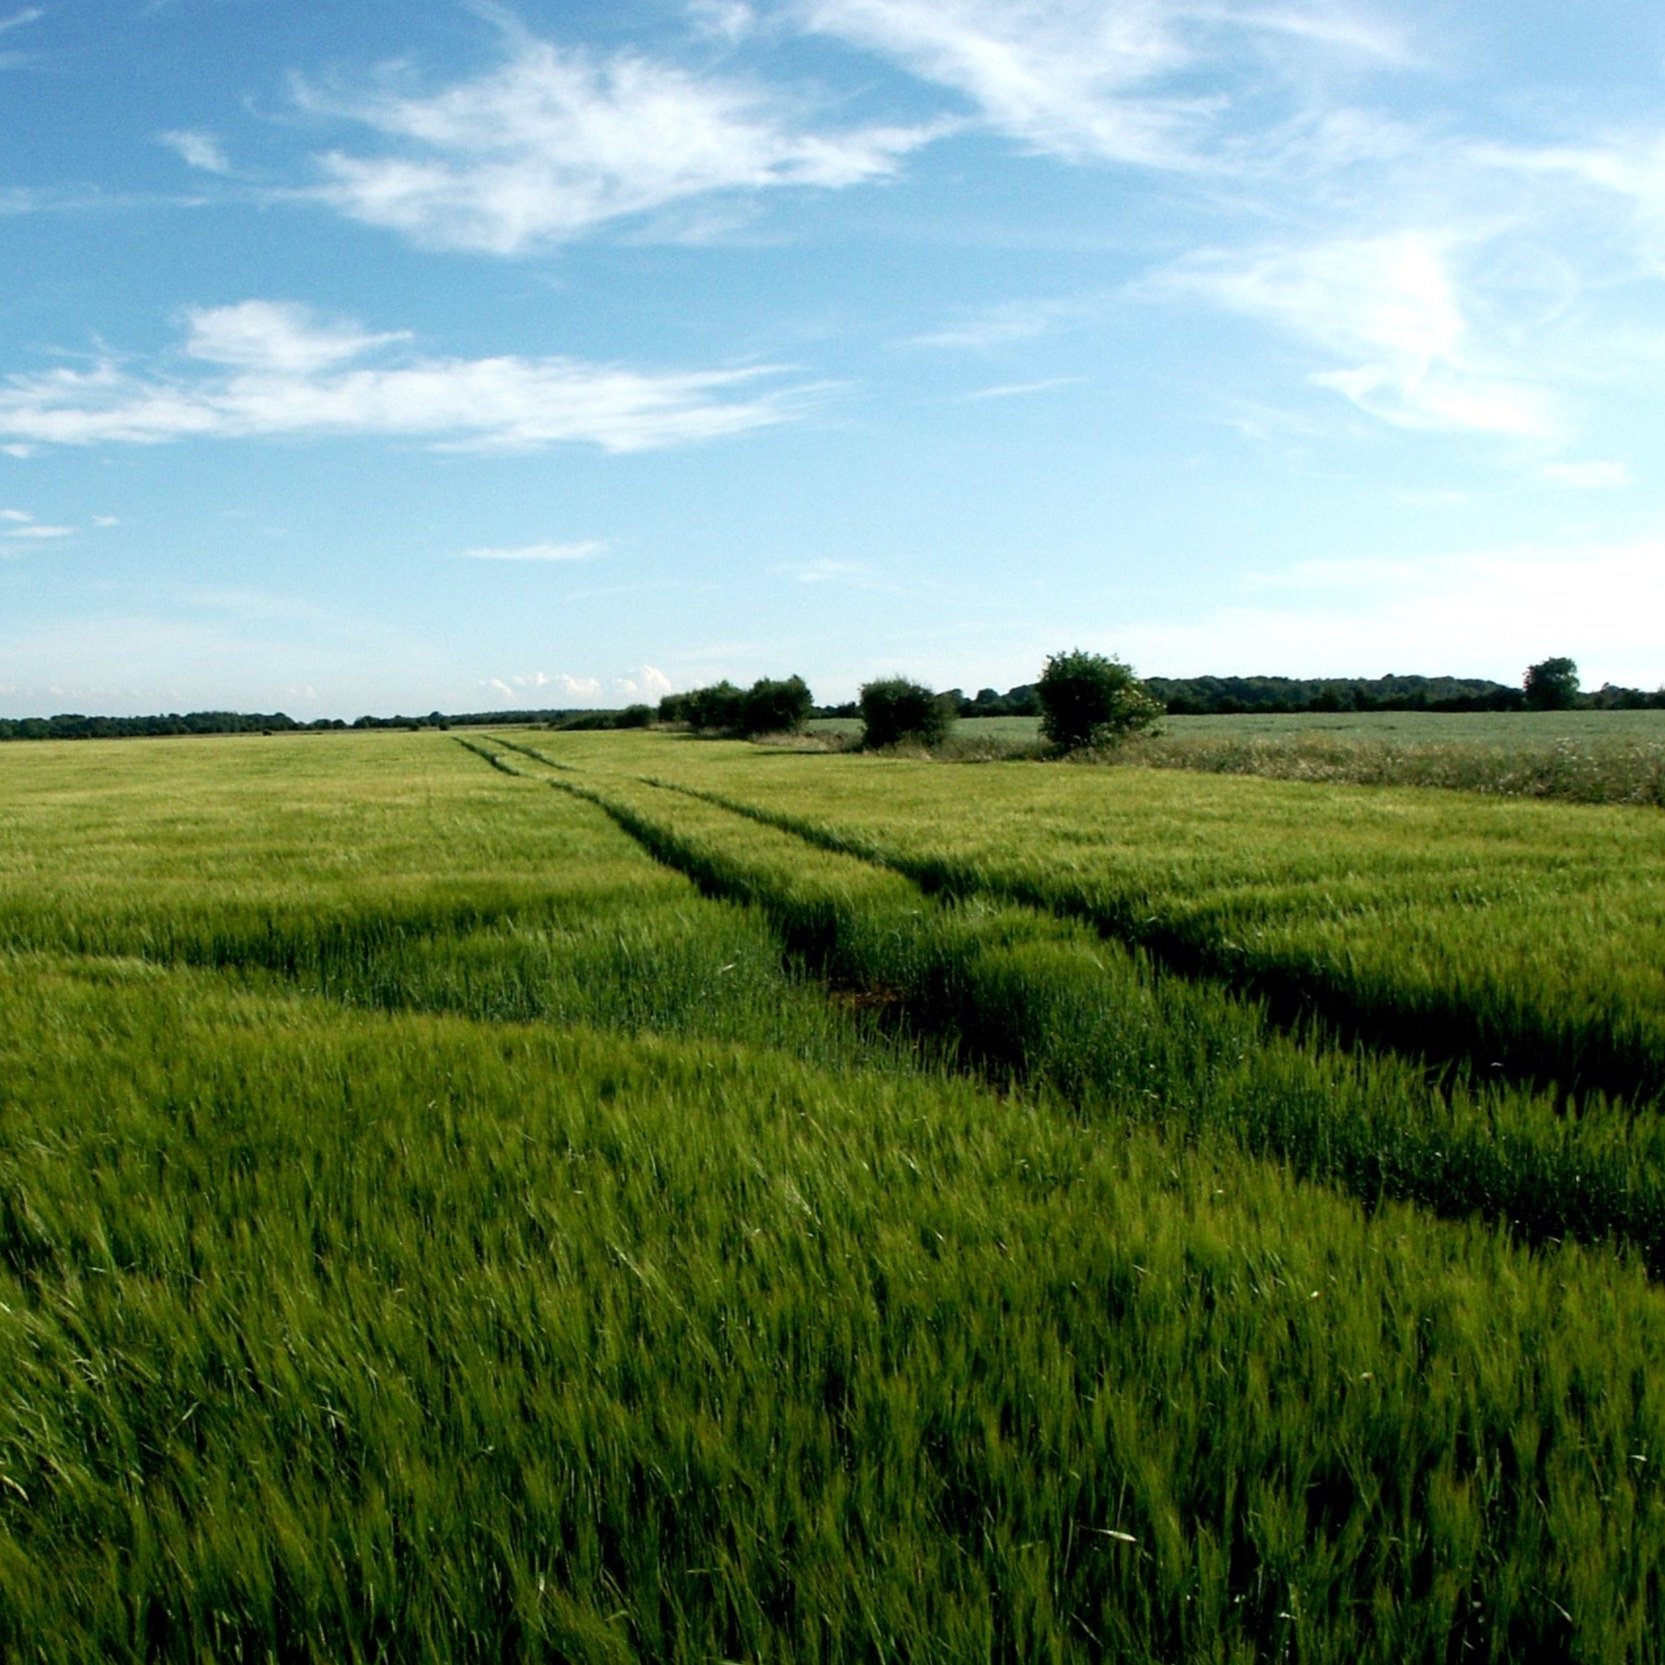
[(617, 1197)]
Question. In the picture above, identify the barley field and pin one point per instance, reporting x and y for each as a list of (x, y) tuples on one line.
[(617, 1197)]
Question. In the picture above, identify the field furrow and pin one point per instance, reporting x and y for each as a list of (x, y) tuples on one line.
[(432, 1229), (1526, 939), (1019, 994)]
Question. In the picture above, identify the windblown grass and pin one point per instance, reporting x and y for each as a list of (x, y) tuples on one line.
[(1525, 935), (1584, 769), (431, 1229), (1044, 1001), (328, 1334)]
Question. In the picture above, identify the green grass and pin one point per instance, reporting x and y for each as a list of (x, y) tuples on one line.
[(336, 1335), (1526, 935), (1592, 757), (1023, 995), (1596, 757), (1469, 728), (432, 1227)]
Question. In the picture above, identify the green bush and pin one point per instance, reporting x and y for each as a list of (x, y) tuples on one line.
[(893, 709), (767, 707), (1089, 700), (777, 707)]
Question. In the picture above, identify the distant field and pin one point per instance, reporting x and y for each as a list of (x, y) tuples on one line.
[(619, 1197), (1479, 728), (1470, 728), (1582, 756)]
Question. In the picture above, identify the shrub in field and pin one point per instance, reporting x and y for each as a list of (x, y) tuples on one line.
[(767, 707), (777, 707), (718, 708), (1089, 700), (893, 709)]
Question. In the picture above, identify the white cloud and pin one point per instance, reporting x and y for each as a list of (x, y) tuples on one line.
[(1070, 77), (1021, 390), (1343, 27), (1097, 80), (556, 142), (515, 690), (581, 551), (18, 20), (22, 525), (1392, 305), (197, 150), (1005, 324), (273, 371), (646, 682), (275, 335)]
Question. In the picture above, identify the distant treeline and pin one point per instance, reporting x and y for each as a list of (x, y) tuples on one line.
[(1208, 696), (783, 705), (1200, 696), (73, 726)]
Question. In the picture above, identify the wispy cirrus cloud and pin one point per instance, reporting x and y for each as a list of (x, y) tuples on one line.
[(280, 337), (1098, 80), (1021, 390), (18, 525), (556, 142), (202, 151), (1391, 309), (583, 550), (1008, 323), (1077, 78), (18, 20), (270, 369)]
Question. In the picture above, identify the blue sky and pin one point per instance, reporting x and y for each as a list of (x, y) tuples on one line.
[(396, 356)]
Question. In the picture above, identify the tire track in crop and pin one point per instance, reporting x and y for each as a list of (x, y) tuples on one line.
[(1442, 1039), (1016, 993)]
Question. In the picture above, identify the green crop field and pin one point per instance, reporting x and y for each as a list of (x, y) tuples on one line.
[(618, 1197), (1592, 757)]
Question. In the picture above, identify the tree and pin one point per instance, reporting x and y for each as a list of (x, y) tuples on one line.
[(777, 707), (717, 709), (1089, 700), (1551, 685), (767, 707), (894, 709)]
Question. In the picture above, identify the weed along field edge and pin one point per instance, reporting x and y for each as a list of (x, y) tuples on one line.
[(669, 1200)]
